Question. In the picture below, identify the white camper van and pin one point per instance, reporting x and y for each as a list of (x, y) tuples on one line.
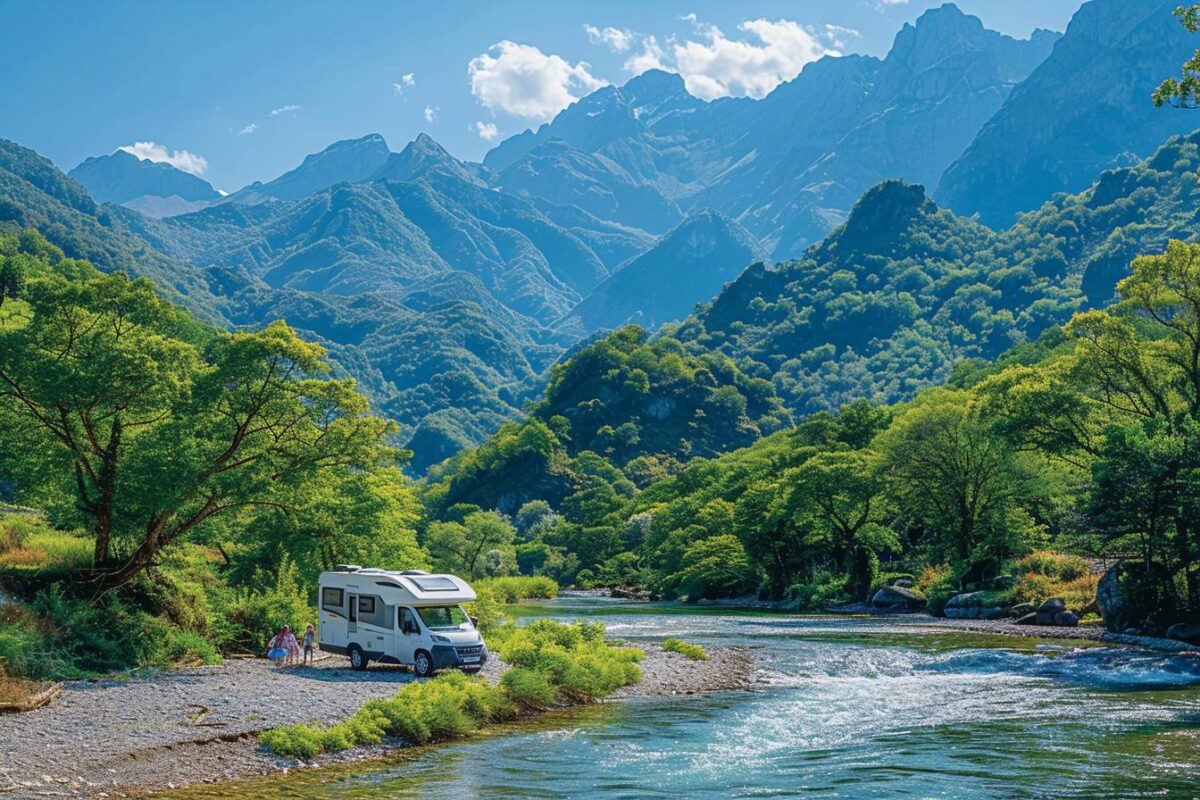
[(410, 617)]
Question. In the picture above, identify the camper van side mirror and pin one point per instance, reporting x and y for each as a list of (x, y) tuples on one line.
[(474, 621)]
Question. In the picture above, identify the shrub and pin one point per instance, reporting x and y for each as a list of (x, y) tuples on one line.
[(938, 585), (447, 707), (825, 589), (518, 588), (693, 651), (1054, 565)]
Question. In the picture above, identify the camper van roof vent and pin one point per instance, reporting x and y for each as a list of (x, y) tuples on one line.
[(347, 567), (413, 572)]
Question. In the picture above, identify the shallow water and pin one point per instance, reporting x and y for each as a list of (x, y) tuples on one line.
[(846, 708)]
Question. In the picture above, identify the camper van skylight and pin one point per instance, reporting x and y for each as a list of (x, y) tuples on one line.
[(433, 583)]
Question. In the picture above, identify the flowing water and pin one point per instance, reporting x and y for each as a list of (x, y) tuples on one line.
[(844, 708)]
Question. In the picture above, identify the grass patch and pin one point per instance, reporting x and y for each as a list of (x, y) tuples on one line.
[(693, 651), (27, 542), (552, 663)]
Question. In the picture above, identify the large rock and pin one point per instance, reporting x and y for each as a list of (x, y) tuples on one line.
[(1065, 619), (1185, 632), (974, 605), (1049, 609), (1116, 612), (898, 597), (1028, 619), (1021, 609)]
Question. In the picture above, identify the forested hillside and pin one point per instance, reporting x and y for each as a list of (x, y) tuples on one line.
[(891, 300)]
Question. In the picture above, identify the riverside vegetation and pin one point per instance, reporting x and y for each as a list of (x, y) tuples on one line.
[(552, 663)]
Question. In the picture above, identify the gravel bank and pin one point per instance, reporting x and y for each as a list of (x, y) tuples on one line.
[(170, 728)]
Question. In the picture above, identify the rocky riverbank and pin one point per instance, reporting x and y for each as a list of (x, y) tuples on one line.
[(164, 729)]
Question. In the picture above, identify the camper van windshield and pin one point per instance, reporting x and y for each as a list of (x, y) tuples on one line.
[(445, 618)]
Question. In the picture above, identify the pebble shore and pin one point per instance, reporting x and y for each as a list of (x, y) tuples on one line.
[(165, 729)]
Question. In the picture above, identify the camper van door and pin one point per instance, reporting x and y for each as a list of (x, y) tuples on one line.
[(408, 634)]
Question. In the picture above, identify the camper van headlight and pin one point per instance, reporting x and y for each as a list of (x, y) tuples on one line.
[(437, 638)]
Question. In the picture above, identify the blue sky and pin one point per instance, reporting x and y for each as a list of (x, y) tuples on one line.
[(238, 92)]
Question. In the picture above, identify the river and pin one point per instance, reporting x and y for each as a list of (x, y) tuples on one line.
[(843, 708)]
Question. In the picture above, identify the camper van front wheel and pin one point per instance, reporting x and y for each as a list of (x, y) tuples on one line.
[(358, 659), (423, 664)]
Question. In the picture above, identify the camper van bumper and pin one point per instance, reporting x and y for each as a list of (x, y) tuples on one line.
[(446, 655)]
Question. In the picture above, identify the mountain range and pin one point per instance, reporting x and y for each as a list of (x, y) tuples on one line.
[(448, 288)]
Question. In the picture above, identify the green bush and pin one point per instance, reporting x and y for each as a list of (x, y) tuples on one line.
[(447, 707), (518, 588), (938, 585), (693, 651), (824, 590), (552, 663)]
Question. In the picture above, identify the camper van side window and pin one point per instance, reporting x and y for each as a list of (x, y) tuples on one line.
[(331, 599), (366, 605)]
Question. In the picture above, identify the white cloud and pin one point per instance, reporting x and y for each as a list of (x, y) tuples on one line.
[(883, 3), (486, 130), (689, 17), (406, 81), (773, 52), (249, 129), (288, 109), (520, 79), (619, 40), (180, 159), (837, 35), (431, 113), (650, 57)]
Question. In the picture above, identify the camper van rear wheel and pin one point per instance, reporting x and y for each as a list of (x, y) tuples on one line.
[(358, 659), (423, 664)]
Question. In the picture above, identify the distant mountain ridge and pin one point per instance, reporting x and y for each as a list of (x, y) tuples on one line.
[(151, 187), (789, 166)]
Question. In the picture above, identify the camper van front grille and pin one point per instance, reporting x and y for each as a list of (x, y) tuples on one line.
[(469, 651)]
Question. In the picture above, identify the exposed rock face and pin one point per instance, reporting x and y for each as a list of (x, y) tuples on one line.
[(898, 598), (1084, 109)]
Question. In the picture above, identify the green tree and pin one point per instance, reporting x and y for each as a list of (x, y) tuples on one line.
[(463, 547), (12, 277), (1184, 92), (950, 473), (842, 493), (156, 429), (716, 567)]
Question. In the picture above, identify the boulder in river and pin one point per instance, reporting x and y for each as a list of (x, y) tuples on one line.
[(1047, 610), (974, 605), (1185, 632), (898, 598)]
